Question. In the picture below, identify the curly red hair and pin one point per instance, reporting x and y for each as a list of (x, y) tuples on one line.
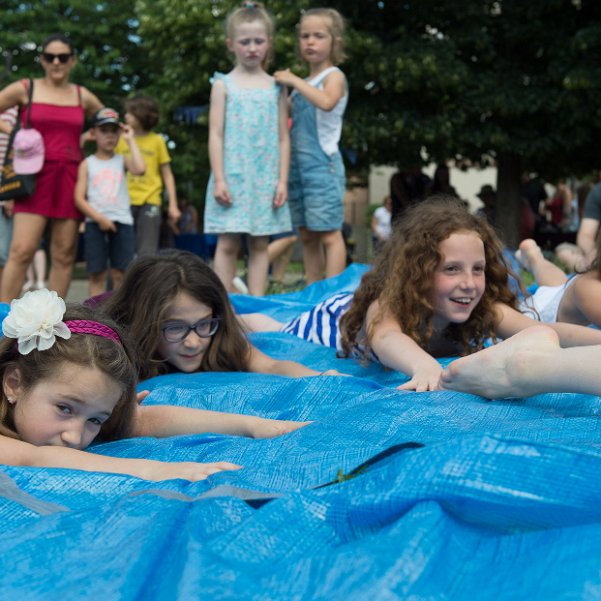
[(402, 276)]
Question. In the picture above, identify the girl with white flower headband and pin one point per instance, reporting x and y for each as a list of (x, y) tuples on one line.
[(68, 377)]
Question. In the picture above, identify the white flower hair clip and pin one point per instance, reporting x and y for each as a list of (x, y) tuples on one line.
[(35, 320)]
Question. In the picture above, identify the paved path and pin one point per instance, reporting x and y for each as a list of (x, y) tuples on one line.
[(78, 292)]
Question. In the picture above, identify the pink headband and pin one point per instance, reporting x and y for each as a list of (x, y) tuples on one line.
[(84, 326)]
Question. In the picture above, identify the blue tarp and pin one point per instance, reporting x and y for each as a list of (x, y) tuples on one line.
[(502, 501)]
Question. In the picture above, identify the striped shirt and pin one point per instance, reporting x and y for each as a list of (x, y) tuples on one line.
[(10, 116), (320, 325)]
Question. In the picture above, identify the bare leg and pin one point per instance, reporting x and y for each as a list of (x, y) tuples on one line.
[(529, 363), (258, 264), (97, 283), (280, 252), (39, 267), (573, 257), (27, 233), (546, 273), (64, 234), (257, 322), (335, 250), (313, 256), (226, 255), (29, 278), (117, 277)]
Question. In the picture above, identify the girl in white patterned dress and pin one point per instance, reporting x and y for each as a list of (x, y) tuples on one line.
[(249, 150)]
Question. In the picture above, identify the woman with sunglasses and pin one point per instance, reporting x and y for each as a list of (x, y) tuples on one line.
[(58, 109), (179, 313)]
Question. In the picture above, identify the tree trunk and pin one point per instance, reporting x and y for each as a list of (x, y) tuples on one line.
[(508, 203)]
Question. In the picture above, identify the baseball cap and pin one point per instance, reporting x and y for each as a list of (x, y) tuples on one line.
[(106, 116), (28, 151)]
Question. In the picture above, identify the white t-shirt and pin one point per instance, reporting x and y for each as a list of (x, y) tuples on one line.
[(107, 189), (382, 226), (329, 123)]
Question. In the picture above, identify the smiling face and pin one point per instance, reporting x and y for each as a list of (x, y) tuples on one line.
[(316, 40), (55, 69), (67, 410), (459, 279), (187, 354), (250, 44)]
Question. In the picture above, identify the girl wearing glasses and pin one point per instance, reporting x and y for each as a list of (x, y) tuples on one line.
[(178, 311), (57, 111)]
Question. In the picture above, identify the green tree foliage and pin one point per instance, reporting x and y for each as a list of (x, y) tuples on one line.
[(184, 41), (480, 80), (104, 35), (516, 82)]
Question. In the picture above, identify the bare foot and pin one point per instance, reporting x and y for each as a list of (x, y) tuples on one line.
[(529, 252), (506, 370)]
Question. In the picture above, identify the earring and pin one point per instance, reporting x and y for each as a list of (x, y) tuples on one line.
[(10, 400)]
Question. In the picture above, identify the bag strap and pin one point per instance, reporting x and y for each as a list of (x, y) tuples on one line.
[(29, 97)]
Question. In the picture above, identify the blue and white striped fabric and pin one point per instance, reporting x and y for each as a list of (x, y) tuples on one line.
[(320, 324)]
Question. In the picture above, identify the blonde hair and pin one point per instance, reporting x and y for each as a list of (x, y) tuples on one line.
[(249, 12), (336, 28)]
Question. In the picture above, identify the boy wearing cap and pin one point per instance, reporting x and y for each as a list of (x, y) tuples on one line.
[(101, 195)]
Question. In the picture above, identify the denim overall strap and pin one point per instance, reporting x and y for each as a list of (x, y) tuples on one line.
[(304, 138)]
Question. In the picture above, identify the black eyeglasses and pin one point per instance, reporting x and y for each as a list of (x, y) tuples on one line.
[(178, 331), (63, 57)]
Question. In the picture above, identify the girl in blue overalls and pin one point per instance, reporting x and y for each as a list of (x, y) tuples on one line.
[(316, 182)]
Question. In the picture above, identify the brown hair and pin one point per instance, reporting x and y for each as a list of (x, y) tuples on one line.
[(145, 109), (249, 12), (596, 264), (115, 360), (336, 28), (150, 285), (58, 37), (402, 276)]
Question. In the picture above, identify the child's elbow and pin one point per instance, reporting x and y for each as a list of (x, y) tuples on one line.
[(328, 105)]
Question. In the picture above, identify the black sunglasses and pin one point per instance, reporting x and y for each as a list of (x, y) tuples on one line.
[(63, 57)]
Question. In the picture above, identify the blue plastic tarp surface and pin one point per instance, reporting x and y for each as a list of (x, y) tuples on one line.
[(502, 501)]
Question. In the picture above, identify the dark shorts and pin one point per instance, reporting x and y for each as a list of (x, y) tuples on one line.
[(108, 249), (288, 234)]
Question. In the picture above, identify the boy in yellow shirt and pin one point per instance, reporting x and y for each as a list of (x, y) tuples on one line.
[(146, 191)]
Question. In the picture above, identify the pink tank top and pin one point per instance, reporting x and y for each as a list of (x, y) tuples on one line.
[(60, 126)]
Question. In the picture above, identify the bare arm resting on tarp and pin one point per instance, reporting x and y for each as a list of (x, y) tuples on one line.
[(68, 378)]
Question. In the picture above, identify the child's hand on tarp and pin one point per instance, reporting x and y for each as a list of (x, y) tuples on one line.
[(270, 428), (184, 470)]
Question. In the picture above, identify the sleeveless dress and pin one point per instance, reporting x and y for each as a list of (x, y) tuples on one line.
[(251, 164), (61, 128)]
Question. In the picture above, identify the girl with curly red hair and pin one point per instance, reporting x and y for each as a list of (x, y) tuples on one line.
[(440, 287)]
